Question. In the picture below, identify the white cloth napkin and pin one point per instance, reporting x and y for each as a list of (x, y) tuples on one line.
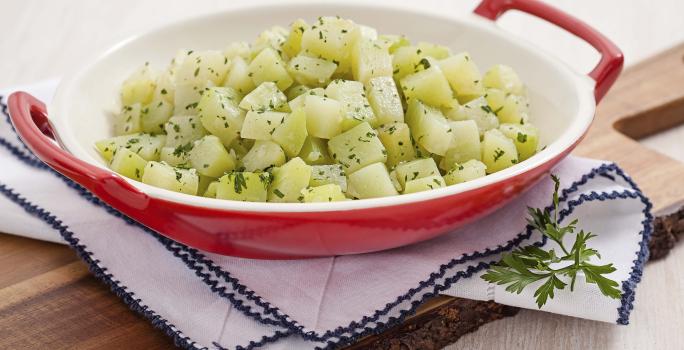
[(207, 300)]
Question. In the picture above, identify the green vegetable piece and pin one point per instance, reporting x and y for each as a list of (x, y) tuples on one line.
[(219, 113), (128, 163), (315, 151), (424, 184), (416, 169), (174, 179), (266, 97), (268, 66), (328, 174), (356, 148), (323, 193), (498, 151), (263, 155), (289, 180), (370, 182), (243, 186), (210, 158), (470, 170)]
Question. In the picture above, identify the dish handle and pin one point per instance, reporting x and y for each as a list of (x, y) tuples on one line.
[(29, 117), (609, 67)]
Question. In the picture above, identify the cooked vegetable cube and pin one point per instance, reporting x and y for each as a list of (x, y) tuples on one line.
[(210, 192), (407, 60), (298, 102), (416, 169), (504, 78), (237, 49), (165, 88), (464, 146), (263, 155), (128, 163), (187, 97), (498, 151), (357, 148), (295, 91), (508, 107), (315, 151), (261, 125), (170, 178), (328, 174), (385, 101), (210, 158), (272, 39), (355, 106), (266, 97), (239, 77), (203, 184), (424, 184), (268, 66), (395, 180), (183, 129), (289, 180), (323, 193), (219, 113), (434, 50), (331, 38), (198, 67), (293, 43), (128, 122), (311, 71), (370, 60), (291, 134), (370, 182), (479, 111), (323, 116), (145, 145), (177, 156), (396, 137), (392, 42), (240, 147), (155, 115), (429, 86), (525, 137), (463, 76), (139, 87), (243, 186), (467, 171), (429, 127)]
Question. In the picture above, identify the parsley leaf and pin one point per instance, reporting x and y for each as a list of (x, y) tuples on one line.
[(526, 265)]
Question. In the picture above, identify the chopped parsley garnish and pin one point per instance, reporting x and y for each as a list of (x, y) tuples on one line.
[(522, 138), (498, 153)]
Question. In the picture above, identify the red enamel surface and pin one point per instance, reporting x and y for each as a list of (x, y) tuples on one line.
[(269, 235), (287, 235), (610, 65)]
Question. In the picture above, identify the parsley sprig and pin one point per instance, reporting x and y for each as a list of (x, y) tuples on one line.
[(530, 264)]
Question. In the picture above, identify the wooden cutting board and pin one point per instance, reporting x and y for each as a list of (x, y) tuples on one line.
[(48, 298)]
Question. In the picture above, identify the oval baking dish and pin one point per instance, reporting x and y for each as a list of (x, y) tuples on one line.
[(563, 104)]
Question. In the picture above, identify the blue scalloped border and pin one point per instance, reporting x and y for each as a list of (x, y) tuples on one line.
[(193, 256), (128, 297)]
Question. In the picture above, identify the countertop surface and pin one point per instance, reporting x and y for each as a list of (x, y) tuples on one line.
[(46, 39)]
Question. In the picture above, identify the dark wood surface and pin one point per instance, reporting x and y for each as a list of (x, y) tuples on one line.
[(49, 300)]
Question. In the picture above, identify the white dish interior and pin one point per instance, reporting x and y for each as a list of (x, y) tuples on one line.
[(562, 101)]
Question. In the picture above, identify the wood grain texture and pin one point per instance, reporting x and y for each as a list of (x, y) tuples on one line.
[(47, 300)]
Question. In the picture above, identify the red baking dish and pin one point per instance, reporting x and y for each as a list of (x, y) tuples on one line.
[(563, 104)]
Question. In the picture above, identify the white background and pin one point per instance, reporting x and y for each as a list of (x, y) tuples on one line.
[(44, 39)]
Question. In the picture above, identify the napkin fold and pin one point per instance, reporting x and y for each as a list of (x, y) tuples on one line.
[(205, 300)]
